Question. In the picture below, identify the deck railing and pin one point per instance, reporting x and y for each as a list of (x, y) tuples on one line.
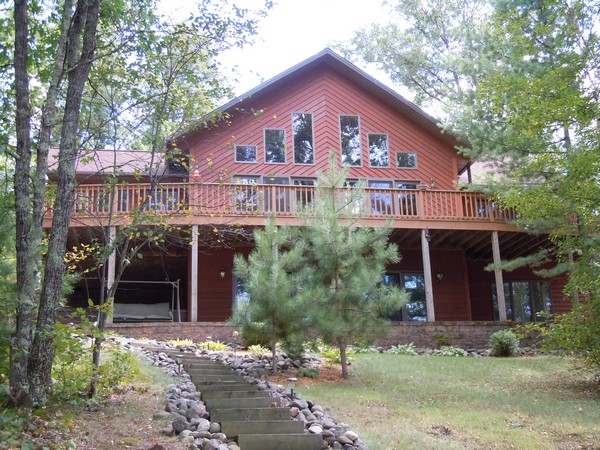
[(283, 200)]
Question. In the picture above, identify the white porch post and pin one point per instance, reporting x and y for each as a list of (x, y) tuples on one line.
[(499, 279), (194, 286), (427, 274), (112, 261)]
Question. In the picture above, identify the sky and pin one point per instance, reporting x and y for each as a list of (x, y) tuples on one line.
[(293, 31)]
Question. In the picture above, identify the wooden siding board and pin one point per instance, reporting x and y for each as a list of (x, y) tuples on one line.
[(326, 95)]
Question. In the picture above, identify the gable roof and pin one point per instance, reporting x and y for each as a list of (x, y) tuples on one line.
[(344, 67)]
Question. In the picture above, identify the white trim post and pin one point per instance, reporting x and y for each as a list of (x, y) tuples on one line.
[(427, 274), (110, 275), (194, 282), (499, 279)]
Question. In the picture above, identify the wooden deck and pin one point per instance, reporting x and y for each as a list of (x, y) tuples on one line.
[(203, 203)]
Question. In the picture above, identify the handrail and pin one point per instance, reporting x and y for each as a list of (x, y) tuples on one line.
[(283, 200)]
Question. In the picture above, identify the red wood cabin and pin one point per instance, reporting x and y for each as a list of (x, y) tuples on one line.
[(260, 154)]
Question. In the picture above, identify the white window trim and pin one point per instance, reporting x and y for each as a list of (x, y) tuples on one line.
[(313, 140), (244, 145), (284, 145), (387, 136), (359, 140), (407, 168)]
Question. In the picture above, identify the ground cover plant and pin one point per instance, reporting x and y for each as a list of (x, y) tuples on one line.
[(398, 401)]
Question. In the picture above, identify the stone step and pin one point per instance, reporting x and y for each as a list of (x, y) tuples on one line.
[(215, 378), (208, 395), (235, 428), (280, 441), (246, 414), (259, 402), (202, 383), (231, 386), (216, 371)]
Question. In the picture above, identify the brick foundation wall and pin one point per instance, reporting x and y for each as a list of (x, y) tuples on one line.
[(463, 334)]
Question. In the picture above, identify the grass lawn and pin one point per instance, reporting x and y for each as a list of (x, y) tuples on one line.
[(437, 402)]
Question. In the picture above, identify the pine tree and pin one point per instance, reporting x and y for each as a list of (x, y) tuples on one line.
[(273, 312), (344, 264)]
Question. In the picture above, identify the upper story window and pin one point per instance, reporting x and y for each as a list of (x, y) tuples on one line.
[(406, 160), (350, 139), (274, 146), (378, 150), (245, 153), (302, 128)]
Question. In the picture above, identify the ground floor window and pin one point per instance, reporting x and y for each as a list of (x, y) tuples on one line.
[(414, 283), (525, 300)]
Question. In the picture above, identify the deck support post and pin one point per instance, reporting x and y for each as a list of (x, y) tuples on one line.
[(499, 279), (111, 269), (427, 274), (194, 282)]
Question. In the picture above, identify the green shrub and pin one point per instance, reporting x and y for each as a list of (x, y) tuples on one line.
[(332, 355), (180, 342), (308, 372), (504, 343), (403, 349), (448, 350), (216, 346), (442, 341), (258, 350), (361, 347)]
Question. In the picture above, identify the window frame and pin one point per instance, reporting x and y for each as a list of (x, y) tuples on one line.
[(312, 137), (360, 159), (415, 167), (404, 317), (283, 142), (509, 299), (235, 153), (387, 140)]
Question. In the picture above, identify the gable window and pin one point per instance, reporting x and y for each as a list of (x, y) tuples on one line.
[(413, 283), (406, 160), (274, 146), (302, 128), (350, 140), (525, 300), (245, 153), (378, 150)]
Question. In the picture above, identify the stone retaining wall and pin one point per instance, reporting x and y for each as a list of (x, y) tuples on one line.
[(427, 335)]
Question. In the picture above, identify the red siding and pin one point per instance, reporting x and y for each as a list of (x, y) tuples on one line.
[(325, 94)]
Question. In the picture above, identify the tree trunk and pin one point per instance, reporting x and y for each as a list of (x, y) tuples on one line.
[(274, 355), (84, 25), (25, 270), (343, 361)]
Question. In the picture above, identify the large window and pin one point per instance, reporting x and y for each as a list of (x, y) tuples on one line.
[(525, 300), (378, 150), (413, 283), (245, 198), (350, 139), (305, 192), (407, 200), (381, 201), (302, 127), (277, 198), (274, 146), (245, 153)]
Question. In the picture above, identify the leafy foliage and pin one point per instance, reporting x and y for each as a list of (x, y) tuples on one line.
[(403, 349), (216, 346), (258, 350), (450, 350), (504, 343), (308, 372), (518, 80)]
